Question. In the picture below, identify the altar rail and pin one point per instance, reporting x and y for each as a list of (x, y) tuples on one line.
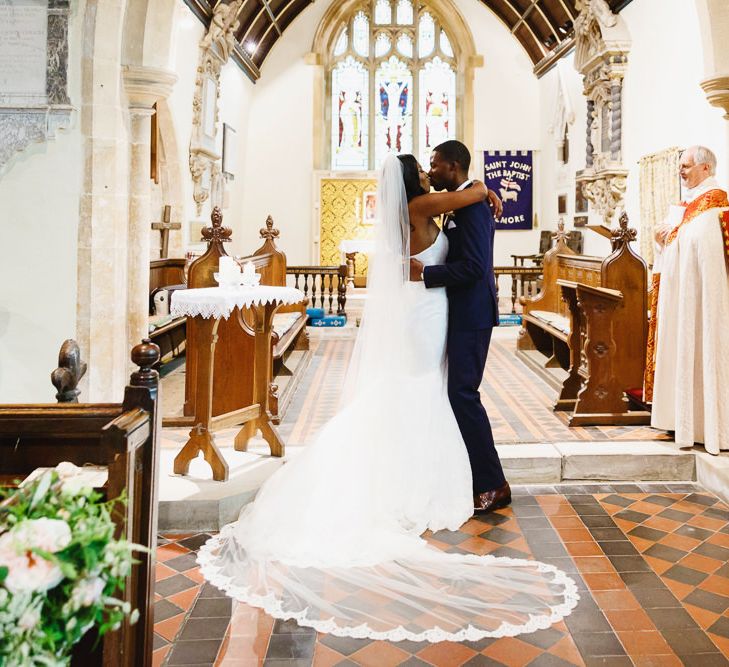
[(525, 282), (331, 279)]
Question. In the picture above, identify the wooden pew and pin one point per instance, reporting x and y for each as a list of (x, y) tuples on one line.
[(121, 437), (542, 342), (548, 338), (289, 324), (170, 335)]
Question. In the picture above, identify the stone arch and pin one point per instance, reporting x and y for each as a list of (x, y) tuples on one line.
[(714, 27), (461, 40), (124, 72)]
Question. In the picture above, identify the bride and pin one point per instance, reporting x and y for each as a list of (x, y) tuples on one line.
[(333, 538)]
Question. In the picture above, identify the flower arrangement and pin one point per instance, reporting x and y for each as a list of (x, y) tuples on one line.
[(60, 568)]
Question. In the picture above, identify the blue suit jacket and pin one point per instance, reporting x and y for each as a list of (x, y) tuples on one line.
[(468, 273)]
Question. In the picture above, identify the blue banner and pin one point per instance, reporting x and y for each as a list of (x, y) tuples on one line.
[(510, 174)]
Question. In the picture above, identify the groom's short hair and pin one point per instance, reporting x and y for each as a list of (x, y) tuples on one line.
[(454, 151)]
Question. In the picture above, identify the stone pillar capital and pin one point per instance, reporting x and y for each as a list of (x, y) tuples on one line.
[(146, 85), (717, 91)]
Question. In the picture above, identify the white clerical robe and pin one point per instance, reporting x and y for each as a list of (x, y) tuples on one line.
[(691, 392)]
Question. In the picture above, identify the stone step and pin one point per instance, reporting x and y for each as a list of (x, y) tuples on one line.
[(197, 503)]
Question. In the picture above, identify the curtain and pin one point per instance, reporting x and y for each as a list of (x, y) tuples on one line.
[(659, 188)]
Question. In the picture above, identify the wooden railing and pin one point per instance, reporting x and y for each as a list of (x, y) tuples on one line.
[(331, 279), (524, 281)]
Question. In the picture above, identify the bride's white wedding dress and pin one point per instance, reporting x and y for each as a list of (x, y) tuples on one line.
[(333, 538)]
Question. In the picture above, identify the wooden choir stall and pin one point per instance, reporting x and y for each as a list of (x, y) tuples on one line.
[(585, 332), (122, 437), (232, 346)]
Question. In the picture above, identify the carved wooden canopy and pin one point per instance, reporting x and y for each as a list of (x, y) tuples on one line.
[(545, 28)]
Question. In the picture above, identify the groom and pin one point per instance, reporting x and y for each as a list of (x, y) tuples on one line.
[(468, 276)]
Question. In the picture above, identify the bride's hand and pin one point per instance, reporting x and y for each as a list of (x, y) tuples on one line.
[(481, 188)]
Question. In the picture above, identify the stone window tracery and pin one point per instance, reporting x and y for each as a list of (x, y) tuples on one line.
[(391, 83)]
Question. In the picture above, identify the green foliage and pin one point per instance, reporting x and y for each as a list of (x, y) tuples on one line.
[(60, 570)]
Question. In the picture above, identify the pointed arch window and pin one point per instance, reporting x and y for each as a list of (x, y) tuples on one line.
[(392, 82)]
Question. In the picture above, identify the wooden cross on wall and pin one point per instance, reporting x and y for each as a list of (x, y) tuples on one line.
[(164, 228)]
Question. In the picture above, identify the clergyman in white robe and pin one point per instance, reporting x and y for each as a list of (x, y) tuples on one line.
[(691, 390)]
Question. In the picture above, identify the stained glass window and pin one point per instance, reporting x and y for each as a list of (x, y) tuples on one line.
[(361, 34), (341, 46), (426, 35), (404, 12), (383, 12), (405, 45), (445, 44), (382, 44), (350, 87), (393, 109), (392, 85), (437, 106)]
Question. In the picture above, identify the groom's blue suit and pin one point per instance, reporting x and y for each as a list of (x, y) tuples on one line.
[(468, 276)]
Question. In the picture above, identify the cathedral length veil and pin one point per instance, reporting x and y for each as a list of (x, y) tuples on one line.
[(326, 541)]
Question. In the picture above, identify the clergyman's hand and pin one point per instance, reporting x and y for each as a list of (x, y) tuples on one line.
[(661, 233), (496, 206), (416, 270)]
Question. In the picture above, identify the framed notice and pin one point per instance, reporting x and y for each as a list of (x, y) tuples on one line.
[(511, 175), (369, 208)]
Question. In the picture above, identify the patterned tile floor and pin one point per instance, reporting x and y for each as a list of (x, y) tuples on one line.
[(651, 562)]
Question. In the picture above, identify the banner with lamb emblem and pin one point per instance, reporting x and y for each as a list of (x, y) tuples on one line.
[(510, 174)]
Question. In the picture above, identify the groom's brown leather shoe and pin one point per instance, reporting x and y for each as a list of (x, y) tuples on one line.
[(488, 501)]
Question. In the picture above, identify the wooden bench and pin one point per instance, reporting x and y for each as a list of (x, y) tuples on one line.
[(123, 438), (554, 332), (166, 332)]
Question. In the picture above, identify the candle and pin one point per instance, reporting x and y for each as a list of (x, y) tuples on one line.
[(228, 266)]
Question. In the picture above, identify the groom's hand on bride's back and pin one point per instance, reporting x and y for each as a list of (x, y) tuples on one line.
[(416, 270)]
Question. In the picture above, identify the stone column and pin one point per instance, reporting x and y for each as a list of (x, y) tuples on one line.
[(144, 86), (717, 92), (589, 148), (616, 120)]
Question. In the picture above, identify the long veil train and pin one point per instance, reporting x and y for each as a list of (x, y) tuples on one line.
[(333, 538)]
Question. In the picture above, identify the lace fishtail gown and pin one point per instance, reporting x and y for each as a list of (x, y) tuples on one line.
[(333, 538)]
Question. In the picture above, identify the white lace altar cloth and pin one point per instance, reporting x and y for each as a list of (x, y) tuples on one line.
[(222, 301)]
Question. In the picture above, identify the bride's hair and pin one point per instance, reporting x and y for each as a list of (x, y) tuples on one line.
[(410, 176)]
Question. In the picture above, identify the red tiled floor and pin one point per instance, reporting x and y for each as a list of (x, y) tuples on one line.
[(249, 633), (446, 654), (629, 619), (644, 642), (169, 628), (512, 651), (380, 654)]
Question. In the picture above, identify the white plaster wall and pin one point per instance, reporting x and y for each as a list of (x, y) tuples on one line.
[(664, 104), (187, 34), (557, 179), (236, 91), (507, 111), (39, 191), (279, 154)]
